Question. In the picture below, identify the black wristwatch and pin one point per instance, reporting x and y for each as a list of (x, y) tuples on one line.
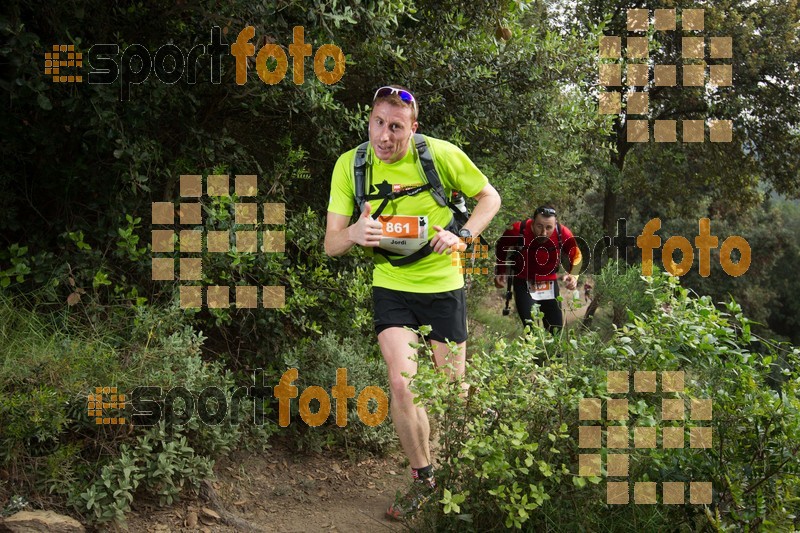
[(465, 234)]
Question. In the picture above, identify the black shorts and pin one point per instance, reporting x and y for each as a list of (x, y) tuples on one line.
[(445, 312)]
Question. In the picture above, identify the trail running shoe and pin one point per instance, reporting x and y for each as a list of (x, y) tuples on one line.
[(406, 505)]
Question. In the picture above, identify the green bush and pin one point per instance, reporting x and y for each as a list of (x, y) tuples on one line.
[(52, 450), (317, 362), (521, 471), (160, 463), (621, 286)]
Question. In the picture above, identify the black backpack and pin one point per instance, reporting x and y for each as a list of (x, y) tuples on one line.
[(386, 194)]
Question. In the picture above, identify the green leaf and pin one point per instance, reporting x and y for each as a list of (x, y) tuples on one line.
[(44, 102)]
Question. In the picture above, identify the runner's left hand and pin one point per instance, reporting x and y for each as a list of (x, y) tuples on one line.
[(570, 281)]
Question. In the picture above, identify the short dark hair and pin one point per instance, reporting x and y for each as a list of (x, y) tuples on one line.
[(546, 211)]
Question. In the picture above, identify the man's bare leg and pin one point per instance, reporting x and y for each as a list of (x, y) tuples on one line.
[(410, 420), (453, 365)]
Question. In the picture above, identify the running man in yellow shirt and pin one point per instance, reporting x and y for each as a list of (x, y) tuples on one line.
[(411, 231)]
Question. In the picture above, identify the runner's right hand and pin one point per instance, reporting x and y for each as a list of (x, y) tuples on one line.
[(366, 231), (499, 282)]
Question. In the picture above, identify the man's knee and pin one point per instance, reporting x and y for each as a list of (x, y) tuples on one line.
[(399, 388)]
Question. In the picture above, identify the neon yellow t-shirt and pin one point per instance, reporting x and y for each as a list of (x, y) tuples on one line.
[(435, 272)]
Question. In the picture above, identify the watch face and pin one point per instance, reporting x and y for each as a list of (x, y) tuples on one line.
[(465, 233)]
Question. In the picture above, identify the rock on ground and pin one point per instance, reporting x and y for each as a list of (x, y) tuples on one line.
[(40, 521)]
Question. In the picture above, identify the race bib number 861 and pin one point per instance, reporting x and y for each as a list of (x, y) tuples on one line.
[(402, 234)]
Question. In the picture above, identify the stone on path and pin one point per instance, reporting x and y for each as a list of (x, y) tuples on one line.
[(40, 521)]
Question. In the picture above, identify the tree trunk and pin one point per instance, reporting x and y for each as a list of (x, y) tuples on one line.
[(609, 208), (617, 159), (620, 315), (587, 318)]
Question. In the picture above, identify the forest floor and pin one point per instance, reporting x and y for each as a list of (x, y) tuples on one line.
[(284, 490)]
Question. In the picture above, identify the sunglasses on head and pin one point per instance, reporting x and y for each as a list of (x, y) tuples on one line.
[(404, 95), (546, 211)]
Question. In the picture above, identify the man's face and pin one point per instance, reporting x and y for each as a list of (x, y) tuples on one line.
[(543, 226), (390, 129)]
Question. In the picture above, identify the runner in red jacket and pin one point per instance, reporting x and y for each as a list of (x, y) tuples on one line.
[(533, 253)]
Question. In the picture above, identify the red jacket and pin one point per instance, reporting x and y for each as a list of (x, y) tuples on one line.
[(538, 259)]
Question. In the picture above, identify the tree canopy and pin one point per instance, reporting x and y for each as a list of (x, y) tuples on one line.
[(762, 98)]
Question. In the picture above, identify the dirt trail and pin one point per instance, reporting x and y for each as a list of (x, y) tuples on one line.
[(284, 491), (574, 311)]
